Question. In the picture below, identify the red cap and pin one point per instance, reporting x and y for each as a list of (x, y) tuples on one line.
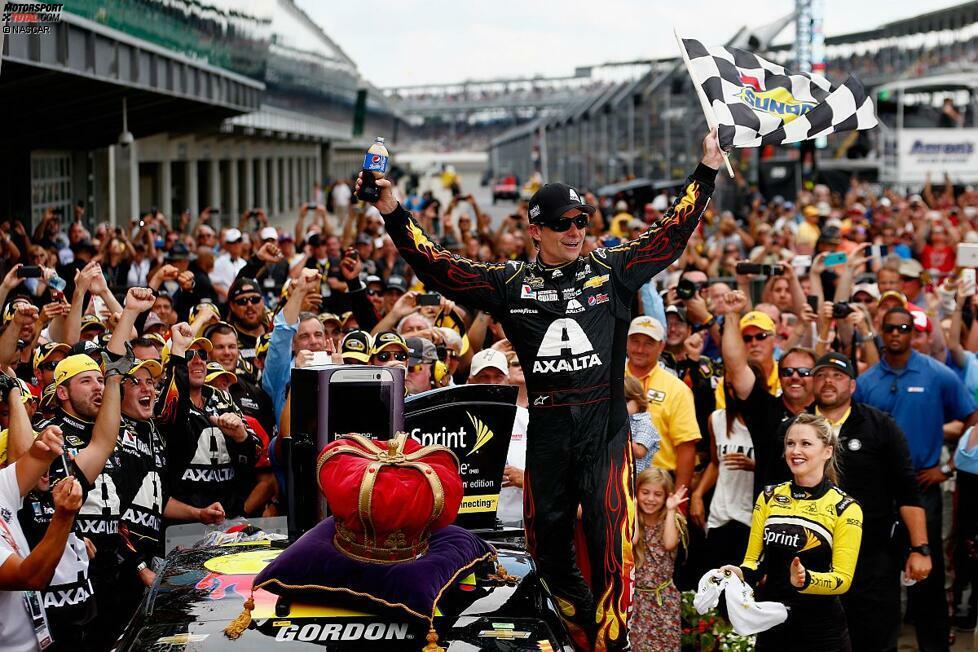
[(388, 496)]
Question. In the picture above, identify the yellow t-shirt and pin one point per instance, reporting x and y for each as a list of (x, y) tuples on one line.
[(773, 386), (673, 413)]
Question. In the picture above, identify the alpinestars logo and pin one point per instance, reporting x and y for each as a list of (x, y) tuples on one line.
[(563, 337)]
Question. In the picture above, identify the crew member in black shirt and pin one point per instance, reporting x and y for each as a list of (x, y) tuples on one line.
[(763, 413), (211, 452)]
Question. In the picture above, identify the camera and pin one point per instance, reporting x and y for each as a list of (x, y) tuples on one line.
[(841, 310), (685, 289), (757, 268)]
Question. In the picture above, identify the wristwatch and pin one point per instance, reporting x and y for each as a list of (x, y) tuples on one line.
[(922, 549), (947, 469)]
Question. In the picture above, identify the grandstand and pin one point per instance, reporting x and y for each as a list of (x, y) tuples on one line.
[(651, 126)]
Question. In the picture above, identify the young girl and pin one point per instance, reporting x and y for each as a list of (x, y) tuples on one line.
[(654, 623), (645, 436)]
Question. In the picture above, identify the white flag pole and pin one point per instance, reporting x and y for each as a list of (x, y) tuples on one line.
[(711, 119)]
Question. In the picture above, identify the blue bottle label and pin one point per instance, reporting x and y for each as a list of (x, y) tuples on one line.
[(375, 163)]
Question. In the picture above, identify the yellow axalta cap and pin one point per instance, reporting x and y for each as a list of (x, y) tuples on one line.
[(72, 366)]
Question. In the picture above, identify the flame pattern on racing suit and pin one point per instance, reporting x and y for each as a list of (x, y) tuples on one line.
[(568, 325)]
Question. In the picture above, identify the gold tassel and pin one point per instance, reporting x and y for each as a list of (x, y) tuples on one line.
[(432, 645), (238, 626)]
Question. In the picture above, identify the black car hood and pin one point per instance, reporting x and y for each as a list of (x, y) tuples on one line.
[(200, 591)]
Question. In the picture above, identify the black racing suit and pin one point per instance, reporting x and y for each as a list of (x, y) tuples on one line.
[(568, 326), (139, 479), (203, 465)]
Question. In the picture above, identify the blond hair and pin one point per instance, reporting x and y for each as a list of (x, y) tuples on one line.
[(654, 476), (634, 392), (826, 433)]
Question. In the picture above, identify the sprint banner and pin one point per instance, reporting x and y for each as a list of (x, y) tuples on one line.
[(475, 422), (757, 102)]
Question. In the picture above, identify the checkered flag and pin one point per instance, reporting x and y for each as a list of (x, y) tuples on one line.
[(757, 102)]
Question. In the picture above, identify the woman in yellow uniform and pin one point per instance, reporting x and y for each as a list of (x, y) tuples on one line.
[(804, 539)]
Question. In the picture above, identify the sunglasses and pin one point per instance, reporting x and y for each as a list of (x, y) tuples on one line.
[(760, 337), (385, 356), (804, 372), (375, 293), (47, 366), (244, 301), (580, 221), (195, 353), (901, 328)]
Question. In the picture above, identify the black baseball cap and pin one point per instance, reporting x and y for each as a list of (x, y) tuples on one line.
[(421, 351), (835, 361), (241, 286), (178, 251), (356, 347), (551, 201), (676, 310), (396, 283)]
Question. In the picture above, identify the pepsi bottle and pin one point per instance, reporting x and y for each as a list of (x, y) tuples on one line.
[(374, 167)]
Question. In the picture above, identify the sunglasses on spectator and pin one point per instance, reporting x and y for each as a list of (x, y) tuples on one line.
[(902, 328), (195, 353), (803, 372), (244, 301), (48, 366), (760, 337), (375, 293), (385, 356), (580, 221)]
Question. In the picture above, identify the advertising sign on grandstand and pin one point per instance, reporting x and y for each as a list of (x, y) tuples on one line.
[(938, 151)]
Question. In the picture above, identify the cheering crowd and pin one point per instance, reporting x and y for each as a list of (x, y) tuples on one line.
[(146, 374)]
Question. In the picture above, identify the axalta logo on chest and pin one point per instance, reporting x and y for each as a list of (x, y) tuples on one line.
[(564, 348)]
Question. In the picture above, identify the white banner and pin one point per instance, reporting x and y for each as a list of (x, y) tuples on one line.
[(938, 151)]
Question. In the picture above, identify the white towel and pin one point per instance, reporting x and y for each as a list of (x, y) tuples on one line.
[(746, 615)]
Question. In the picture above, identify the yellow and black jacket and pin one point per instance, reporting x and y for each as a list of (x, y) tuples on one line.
[(821, 525)]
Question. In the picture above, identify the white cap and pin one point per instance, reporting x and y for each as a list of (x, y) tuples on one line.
[(268, 233), (869, 288), (621, 205), (646, 325), (660, 203), (489, 358), (232, 235)]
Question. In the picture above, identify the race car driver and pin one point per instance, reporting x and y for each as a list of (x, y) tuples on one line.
[(567, 316)]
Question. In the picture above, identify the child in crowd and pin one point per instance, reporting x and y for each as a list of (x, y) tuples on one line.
[(654, 623), (645, 436)]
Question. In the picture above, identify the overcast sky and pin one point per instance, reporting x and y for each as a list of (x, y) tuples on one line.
[(396, 42)]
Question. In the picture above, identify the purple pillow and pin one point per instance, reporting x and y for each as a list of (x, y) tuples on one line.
[(313, 568)]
